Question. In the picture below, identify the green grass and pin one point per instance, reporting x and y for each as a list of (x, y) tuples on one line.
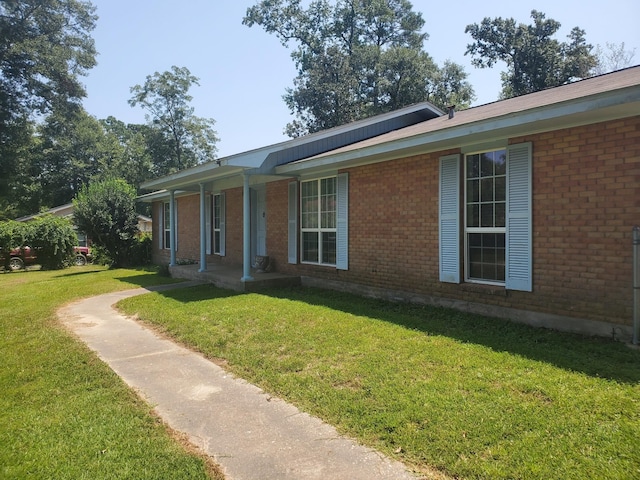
[(64, 413), (473, 397)]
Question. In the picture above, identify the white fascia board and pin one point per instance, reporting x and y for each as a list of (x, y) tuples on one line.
[(608, 106)]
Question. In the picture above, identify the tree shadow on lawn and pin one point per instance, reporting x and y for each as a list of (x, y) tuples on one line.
[(596, 357)]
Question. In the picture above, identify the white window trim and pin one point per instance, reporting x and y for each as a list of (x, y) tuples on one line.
[(319, 230), (468, 230), (219, 248)]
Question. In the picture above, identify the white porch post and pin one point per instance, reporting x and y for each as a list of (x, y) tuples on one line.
[(246, 232), (203, 231), (172, 227)]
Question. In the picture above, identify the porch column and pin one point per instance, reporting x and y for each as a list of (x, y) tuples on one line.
[(246, 232), (203, 231), (172, 227)]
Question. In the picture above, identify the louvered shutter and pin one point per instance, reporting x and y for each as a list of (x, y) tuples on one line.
[(449, 219), (342, 225), (223, 209), (519, 229), (293, 223)]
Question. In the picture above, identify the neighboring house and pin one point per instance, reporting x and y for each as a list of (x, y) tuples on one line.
[(521, 208), (144, 222)]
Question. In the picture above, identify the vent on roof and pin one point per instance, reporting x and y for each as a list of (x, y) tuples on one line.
[(452, 110)]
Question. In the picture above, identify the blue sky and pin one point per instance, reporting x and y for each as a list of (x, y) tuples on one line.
[(244, 71)]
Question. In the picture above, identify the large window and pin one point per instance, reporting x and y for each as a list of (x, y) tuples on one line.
[(485, 194), (217, 223), (166, 222), (494, 197), (318, 217)]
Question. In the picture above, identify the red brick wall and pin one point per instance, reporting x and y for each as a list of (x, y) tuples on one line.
[(586, 199)]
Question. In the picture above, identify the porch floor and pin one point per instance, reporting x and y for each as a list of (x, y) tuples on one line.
[(225, 276)]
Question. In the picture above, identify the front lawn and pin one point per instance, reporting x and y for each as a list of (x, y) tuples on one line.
[(64, 413), (473, 397)]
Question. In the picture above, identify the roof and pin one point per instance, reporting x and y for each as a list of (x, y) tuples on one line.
[(613, 95), (417, 129), (262, 161)]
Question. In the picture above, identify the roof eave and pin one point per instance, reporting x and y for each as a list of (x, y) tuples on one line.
[(597, 108)]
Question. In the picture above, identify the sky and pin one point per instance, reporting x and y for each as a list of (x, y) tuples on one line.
[(245, 71)]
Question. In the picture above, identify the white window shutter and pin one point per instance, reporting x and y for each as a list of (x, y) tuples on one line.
[(223, 208), (342, 222), (175, 223), (519, 230), (449, 219), (293, 222), (207, 222)]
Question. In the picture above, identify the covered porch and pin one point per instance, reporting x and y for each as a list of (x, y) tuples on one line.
[(229, 277)]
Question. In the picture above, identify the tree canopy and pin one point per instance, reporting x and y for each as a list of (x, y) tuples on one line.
[(356, 59), (183, 138), (535, 60), (45, 46)]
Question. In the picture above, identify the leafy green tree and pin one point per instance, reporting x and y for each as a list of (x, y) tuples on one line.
[(106, 212), (45, 45), (535, 60), (355, 59), (69, 155), (188, 139)]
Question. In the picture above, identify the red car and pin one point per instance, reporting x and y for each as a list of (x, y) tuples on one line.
[(22, 256)]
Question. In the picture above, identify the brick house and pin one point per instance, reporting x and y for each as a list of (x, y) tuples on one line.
[(522, 208)]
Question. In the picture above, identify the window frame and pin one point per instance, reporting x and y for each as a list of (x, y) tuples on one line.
[(320, 230), (216, 223), (166, 225), (467, 231)]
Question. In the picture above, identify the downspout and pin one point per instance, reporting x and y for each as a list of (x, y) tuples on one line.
[(246, 231), (636, 285), (203, 231), (172, 227)]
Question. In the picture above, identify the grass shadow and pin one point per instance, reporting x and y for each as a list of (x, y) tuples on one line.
[(596, 357)]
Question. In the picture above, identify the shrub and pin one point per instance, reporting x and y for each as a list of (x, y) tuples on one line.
[(105, 210), (53, 238)]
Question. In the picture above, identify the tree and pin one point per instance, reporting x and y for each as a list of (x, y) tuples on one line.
[(105, 211), (355, 59), (613, 57), (535, 60), (44, 47), (189, 139)]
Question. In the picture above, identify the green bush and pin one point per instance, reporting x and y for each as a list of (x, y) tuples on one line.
[(53, 238), (105, 211)]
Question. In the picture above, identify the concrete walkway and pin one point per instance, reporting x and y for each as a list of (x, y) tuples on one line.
[(250, 434)]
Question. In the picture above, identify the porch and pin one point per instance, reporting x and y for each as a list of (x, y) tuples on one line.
[(229, 277)]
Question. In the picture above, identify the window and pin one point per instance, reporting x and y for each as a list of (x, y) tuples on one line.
[(485, 192), (166, 222), (217, 223), (492, 212), (318, 217)]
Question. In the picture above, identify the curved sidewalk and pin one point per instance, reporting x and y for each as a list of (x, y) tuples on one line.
[(251, 435)]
